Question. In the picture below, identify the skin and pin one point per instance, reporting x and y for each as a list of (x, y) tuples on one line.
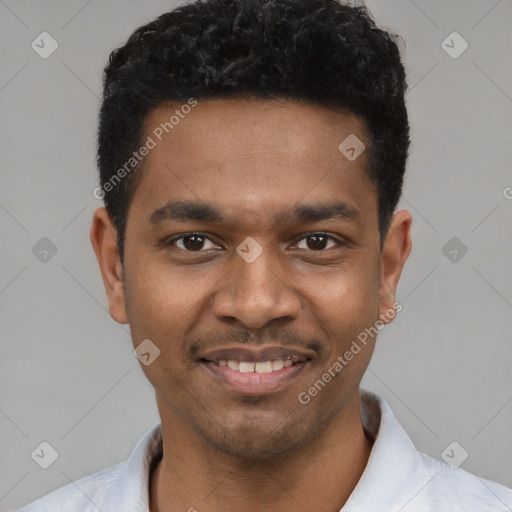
[(252, 159)]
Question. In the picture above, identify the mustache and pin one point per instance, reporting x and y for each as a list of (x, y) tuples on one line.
[(282, 337)]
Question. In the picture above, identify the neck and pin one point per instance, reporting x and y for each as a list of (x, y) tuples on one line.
[(319, 476)]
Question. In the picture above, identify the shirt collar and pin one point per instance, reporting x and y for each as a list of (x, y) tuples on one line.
[(392, 464), (132, 490), (380, 486)]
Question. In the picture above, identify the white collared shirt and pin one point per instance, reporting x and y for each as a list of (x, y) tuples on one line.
[(397, 478)]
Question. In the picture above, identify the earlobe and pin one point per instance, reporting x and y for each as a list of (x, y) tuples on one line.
[(395, 251), (104, 242)]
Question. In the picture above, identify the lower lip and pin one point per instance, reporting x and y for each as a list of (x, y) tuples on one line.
[(253, 383)]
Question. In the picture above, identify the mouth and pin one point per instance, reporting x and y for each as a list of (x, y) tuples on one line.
[(255, 372), (257, 367)]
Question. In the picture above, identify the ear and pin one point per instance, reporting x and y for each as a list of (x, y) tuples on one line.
[(395, 251), (104, 243)]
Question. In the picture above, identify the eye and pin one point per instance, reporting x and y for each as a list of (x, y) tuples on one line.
[(197, 242), (318, 241), (192, 242)]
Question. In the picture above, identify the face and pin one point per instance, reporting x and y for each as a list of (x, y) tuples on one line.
[(252, 261)]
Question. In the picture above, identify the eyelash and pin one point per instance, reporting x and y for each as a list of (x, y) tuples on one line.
[(315, 233)]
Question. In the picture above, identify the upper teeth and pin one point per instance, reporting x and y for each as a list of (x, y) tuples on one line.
[(259, 367)]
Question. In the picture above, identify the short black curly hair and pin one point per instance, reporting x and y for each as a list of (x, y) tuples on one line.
[(318, 51)]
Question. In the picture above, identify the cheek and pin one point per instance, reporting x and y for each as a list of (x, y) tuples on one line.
[(163, 303), (152, 302), (157, 307), (348, 295), (344, 304)]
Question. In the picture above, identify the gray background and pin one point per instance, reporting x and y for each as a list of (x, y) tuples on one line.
[(68, 375)]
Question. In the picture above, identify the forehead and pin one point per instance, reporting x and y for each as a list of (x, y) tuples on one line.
[(252, 157)]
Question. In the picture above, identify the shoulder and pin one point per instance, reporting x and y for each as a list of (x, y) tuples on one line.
[(113, 489), (454, 489), (88, 494), (399, 477)]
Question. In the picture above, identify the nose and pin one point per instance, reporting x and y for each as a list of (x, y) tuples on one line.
[(255, 294)]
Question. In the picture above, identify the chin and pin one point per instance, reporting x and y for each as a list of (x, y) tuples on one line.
[(257, 441)]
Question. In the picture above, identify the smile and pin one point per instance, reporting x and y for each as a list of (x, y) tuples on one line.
[(255, 370), (253, 378), (256, 367)]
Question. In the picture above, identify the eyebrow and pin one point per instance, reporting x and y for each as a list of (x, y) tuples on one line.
[(190, 211)]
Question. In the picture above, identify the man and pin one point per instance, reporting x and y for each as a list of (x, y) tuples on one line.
[(251, 158)]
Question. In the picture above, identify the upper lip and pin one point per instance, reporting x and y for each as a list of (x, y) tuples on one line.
[(257, 354)]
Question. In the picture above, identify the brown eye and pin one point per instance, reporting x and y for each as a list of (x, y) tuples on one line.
[(192, 242), (317, 242)]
